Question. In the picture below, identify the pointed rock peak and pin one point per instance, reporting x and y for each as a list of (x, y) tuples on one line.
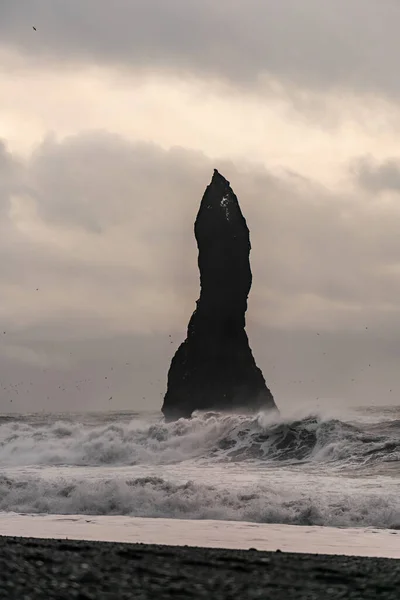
[(219, 179), (214, 368), (219, 194), (220, 185)]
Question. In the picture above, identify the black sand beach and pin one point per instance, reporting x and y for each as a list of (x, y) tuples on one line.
[(46, 569)]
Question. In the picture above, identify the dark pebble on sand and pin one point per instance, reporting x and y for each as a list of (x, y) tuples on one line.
[(33, 569)]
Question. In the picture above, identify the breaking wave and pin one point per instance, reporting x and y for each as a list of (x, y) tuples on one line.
[(157, 497), (209, 437), (312, 470)]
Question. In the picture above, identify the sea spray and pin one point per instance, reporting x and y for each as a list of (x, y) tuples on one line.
[(209, 437)]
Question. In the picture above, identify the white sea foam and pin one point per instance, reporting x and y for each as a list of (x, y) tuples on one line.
[(159, 497), (307, 470)]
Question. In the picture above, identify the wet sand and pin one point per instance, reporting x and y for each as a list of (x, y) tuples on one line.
[(45, 569), (235, 535)]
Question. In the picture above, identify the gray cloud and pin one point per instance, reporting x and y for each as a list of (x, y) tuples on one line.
[(100, 184), (120, 211), (312, 43), (100, 180), (377, 176), (99, 268), (8, 177)]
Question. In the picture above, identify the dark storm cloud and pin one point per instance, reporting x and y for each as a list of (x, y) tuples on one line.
[(314, 43)]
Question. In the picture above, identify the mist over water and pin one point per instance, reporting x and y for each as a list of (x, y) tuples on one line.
[(305, 470)]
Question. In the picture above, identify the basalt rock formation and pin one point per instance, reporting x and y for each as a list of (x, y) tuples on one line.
[(214, 368)]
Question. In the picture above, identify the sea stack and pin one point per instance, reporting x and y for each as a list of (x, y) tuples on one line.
[(214, 368)]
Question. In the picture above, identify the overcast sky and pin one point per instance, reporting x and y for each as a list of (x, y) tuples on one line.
[(112, 118)]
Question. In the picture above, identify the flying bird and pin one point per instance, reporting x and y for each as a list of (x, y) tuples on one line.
[(34, 28)]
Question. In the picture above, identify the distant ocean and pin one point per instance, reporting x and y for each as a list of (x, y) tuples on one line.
[(310, 471)]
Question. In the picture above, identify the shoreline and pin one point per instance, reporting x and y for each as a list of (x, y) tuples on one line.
[(37, 568), (204, 533)]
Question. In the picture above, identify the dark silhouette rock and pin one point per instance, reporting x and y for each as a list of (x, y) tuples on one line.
[(214, 368)]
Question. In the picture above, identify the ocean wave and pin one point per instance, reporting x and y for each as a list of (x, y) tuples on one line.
[(210, 437), (158, 497)]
